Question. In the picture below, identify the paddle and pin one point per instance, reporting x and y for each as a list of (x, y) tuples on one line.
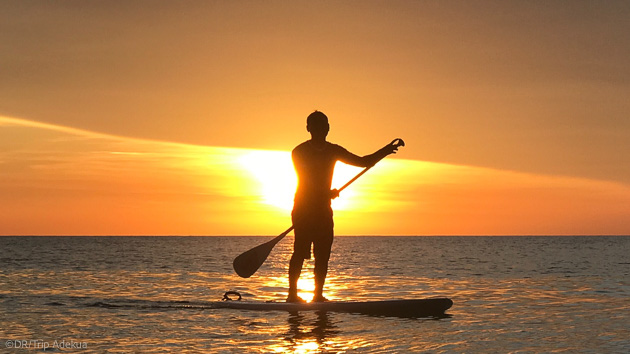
[(247, 263)]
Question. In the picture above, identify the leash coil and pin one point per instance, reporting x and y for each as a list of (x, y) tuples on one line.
[(226, 296)]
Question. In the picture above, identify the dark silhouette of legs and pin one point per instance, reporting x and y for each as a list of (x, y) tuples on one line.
[(321, 270), (295, 269)]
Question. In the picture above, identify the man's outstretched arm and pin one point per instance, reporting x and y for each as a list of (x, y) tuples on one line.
[(372, 159)]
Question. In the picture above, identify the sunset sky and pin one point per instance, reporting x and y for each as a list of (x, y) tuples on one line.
[(178, 117)]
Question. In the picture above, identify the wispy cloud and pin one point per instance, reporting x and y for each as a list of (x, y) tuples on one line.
[(60, 180)]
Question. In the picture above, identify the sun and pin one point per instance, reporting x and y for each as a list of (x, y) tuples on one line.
[(276, 181), (274, 175)]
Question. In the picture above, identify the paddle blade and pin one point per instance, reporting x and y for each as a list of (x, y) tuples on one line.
[(246, 264)]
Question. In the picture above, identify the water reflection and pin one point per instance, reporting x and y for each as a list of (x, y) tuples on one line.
[(307, 335), (121, 302), (320, 332)]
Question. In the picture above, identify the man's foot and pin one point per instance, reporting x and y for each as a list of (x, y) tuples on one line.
[(319, 298), (295, 298)]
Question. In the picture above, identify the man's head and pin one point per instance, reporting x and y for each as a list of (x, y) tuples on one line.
[(317, 125)]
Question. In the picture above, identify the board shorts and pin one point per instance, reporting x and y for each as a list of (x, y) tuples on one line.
[(313, 228)]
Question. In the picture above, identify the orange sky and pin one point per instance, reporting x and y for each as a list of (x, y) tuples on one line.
[(139, 117), (57, 180)]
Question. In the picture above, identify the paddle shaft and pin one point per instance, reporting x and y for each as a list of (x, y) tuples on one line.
[(281, 236), (247, 263), (355, 178)]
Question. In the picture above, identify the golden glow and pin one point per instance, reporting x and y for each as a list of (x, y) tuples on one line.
[(273, 175), (275, 179), (57, 180), (349, 198), (307, 346), (306, 286), (246, 74)]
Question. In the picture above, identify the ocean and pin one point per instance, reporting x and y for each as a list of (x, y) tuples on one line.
[(151, 295)]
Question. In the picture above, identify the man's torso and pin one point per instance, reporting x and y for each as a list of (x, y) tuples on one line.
[(314, 165)]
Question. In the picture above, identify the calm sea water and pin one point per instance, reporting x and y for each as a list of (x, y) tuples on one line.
[(150, 294)]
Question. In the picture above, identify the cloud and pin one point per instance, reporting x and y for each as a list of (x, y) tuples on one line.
[(61, 180)]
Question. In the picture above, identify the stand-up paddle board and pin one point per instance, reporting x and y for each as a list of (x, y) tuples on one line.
[(394, 308)]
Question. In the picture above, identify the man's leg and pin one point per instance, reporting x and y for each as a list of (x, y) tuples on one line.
[(301, 251), (295, 268), (321, 270), (321, 250)]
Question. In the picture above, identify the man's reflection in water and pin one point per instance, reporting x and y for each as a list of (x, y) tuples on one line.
[(303, 329)]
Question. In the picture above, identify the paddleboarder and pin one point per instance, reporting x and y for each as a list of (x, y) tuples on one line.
[(314, 161)]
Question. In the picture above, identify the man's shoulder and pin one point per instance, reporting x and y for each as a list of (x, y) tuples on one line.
[(307, 146), (335, 146), (303, 146), (336, 150)]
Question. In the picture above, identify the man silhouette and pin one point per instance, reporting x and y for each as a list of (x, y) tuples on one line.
[(314, 161)]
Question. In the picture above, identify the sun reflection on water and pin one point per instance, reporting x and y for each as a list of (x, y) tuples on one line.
[(157, 293), (307, 346), (315, 332)]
